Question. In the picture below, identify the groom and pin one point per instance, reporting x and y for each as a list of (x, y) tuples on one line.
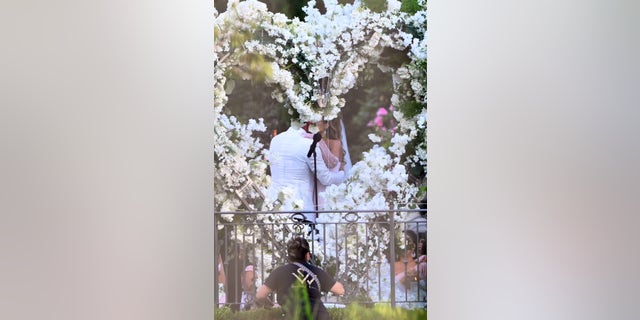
[(290, 167)]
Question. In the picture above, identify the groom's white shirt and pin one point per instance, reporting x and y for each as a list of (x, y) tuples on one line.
[(290, 167)]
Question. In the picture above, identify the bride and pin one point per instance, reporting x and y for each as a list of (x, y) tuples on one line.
[(411, 271), (333, 147)]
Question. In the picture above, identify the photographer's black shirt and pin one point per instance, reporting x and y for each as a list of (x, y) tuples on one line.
[(282, 278)]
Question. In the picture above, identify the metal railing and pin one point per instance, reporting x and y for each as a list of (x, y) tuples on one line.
[(366, 251)]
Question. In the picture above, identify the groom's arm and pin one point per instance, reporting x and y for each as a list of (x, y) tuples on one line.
[(325, 176)]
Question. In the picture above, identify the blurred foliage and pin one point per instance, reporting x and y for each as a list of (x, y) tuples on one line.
[(410, 6), (375, 5), (351, 312), (225, 313), (251, 66), (298, 305), (411, 108), (373, 90), (394, 58), (357, 312)]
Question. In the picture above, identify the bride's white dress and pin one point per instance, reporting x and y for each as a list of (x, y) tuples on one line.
[(332, 162)]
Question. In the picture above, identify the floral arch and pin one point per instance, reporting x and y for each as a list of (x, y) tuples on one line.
[(311, 65)]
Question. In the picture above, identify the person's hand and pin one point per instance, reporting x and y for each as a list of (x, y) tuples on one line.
[(264, 303)]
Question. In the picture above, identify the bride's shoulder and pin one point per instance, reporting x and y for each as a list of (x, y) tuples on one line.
[(334, 142)]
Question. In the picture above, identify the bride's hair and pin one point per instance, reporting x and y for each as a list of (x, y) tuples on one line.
[(334, 131)]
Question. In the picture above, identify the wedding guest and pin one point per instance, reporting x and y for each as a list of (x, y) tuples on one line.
[(411, 240), (405, 269), (235, 267), (299, 271), (292, 168), (421, 269), (222, 279), (248, 287), (221, 276), (406, 266)]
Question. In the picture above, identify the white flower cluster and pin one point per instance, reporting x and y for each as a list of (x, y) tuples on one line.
[(410, 85), (238, 160), (285, 201), (332, 47), (379, 181)]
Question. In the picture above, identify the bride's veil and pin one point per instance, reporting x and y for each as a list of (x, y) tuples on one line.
[(347, 157)]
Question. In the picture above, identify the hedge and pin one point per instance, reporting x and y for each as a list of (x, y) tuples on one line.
[(351, 312)]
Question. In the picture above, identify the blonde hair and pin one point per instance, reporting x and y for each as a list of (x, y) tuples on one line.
[(334, 130)]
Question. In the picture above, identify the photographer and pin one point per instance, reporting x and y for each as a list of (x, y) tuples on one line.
[(299, 272)]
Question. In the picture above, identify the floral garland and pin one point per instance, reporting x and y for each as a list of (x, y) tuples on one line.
[(311, 65), (238, 159)]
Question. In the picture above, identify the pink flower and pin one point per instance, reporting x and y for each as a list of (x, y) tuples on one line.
[(382, 112), (378, 121)]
